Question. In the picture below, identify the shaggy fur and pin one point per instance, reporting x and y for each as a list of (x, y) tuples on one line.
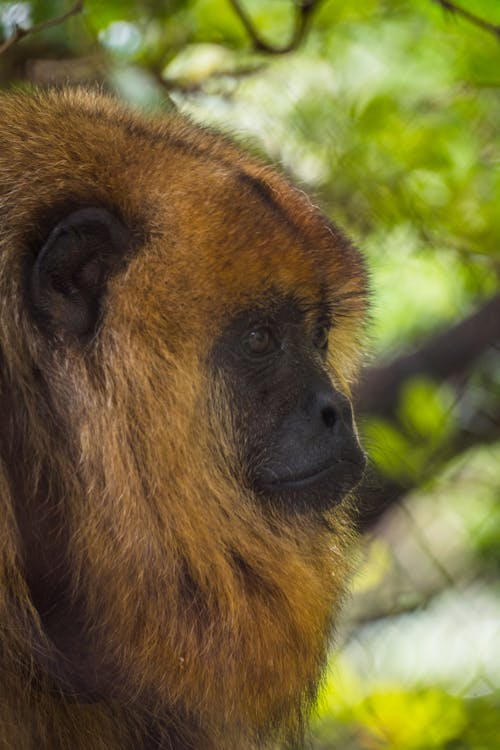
[(194, 617)]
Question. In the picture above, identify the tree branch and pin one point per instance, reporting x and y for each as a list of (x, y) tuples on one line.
[(451, 7), (305, 10), (446, 354), (19, 32)]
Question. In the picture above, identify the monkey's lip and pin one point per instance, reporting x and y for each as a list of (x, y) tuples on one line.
[(345, 471), (303, 480), (309, 479)]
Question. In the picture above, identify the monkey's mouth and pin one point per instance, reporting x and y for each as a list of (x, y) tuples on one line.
[(302, 480), (314, 489)]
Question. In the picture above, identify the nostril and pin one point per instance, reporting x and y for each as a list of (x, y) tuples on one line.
[(329, 416)]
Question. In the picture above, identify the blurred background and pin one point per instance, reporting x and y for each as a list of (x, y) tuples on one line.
[(388, 113)]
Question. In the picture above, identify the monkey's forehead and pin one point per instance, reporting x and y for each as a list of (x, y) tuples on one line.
[(211, 223)]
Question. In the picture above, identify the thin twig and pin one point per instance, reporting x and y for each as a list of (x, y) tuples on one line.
[(305, 10), (450, 6), (188, 87), (19, 32)]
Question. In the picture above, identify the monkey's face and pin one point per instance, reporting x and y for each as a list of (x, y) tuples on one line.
[(300, 450)]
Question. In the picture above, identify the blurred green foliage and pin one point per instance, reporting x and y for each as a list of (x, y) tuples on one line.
[(388, 112), (396, 719), (403, 450)]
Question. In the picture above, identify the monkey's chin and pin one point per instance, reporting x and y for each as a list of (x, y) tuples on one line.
[(318, 491)]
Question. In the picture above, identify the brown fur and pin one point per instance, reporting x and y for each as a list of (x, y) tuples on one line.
[(206, 618)]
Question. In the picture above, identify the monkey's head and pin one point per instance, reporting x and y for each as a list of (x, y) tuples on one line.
[(178, 335)]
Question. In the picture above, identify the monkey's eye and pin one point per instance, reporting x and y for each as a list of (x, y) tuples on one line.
[(320, 336), (259, 341)]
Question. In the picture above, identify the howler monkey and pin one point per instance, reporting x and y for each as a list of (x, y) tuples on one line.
[(179, 329)]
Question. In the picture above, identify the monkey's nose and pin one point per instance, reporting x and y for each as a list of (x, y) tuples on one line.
[(331, 410)]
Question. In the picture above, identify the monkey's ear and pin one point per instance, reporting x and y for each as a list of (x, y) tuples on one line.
[(68, 279)]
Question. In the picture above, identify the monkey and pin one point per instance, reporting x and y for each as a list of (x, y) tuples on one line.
[(180, 329)]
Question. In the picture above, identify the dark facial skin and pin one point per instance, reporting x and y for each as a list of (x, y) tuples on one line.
[(300, 449)]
